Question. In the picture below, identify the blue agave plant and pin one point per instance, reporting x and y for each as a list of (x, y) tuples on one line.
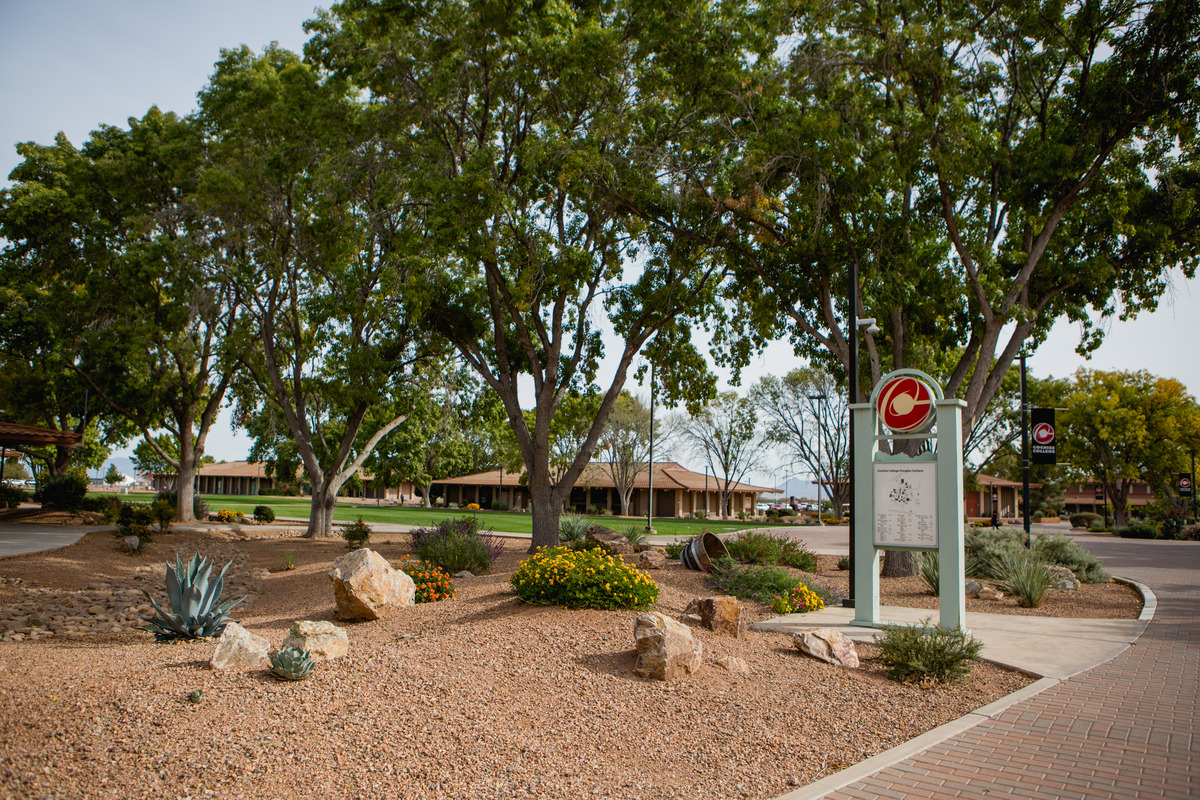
[(193, 597)]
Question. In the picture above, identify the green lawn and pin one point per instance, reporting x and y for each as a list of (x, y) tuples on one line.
[(503, 521)]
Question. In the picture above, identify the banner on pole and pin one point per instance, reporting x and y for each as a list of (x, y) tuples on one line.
[(1043, 436), (1185, 485)]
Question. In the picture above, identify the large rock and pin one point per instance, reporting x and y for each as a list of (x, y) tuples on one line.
[(666, 649), (827, 645), (651, 559), (323, 640), (238, 648), (616, 542), (722, 614), (1063, 578), (365, 586)]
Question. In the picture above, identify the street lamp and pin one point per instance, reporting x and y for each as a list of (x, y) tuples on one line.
[(819, 397)]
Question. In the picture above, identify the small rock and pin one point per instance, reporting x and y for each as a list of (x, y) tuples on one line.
[(972, 588), (651, 559), (1063, 578), (828, 645), (238, 648), (466, 573), (735, 665), (666, 649), (129, 544), (323, 640), (988, 593), (196, 696)]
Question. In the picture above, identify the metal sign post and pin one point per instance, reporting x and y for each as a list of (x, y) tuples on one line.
[(909, 502)]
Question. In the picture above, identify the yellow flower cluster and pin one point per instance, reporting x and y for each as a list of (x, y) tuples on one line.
[(582, 579), (797, 601)]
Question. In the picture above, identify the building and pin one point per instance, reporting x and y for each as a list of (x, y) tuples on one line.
[(678, 492), (1090, 497), (249, 479), (995, 494)]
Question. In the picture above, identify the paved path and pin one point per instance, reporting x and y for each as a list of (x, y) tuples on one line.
[(1124, 729), (17, 539)]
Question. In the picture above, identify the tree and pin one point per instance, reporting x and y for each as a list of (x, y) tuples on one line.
[(113, 476), (725, 435), (14, 470), (1123, 427), (626, 445), (503, 119), (319, 240), (150, 459), (805, 414)]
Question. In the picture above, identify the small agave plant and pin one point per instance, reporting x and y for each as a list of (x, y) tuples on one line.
[(291, 664), (193, 597)]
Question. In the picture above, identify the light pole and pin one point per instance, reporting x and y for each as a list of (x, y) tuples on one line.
[(819, 397), (650, 487)]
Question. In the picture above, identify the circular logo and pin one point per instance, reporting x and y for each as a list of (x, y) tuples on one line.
[(1185, 482), (906, 404), (1043, 433)]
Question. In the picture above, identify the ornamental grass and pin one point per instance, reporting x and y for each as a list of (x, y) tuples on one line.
[(560, 576)]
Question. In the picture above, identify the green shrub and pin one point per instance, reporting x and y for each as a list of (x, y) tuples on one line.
[(66, 492), (587, 544), (264, 514), (457, 544), (1066, 552), (573, 527), (134, 514), (757, 583), (981, 545), (922, 652), (1138, 530), (163, 513), (168, 495), (1190, 533), (1085, 519), (755, 547), (11, 496), (499, 506), (1022, 574), (560, 576), (928, 569), (356, 534), (1171, 526), (674, 549), (843, 562), (636, 534)]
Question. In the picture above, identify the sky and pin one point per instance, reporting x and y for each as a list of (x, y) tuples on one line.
[(71, 65)]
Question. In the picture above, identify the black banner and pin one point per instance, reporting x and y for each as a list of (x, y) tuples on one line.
[(1042, 436), (1185, 485)]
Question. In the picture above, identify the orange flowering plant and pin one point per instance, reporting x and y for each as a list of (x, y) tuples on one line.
[(433, 582)]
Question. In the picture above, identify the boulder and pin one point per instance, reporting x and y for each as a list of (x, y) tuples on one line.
[(988, 593), (651, 559), (616, 542), (324, 641), (735, 665), (666, 649), (129, 544), (238, 648), (721, 614), (1063, 578), (365, 586), (972, 588), (827, 645)]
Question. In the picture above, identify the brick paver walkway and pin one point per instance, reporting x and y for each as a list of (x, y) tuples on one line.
[(1127, 728)]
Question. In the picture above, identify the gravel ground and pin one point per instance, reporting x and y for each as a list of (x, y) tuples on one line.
[(480, 696)]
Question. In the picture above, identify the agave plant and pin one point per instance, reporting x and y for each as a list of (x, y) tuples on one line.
[(193, 595), (291, 664)]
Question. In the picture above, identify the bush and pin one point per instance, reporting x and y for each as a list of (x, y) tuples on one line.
[(928, 569), (1171, 526), (66, 492), (1085, 519), (674, 549), (169, 495), (134, 514), (1066, 552), (636, 534), (1138, 530), (456, 545), (844, 562), (560, 576), (356, 534), (799, 600), (754, 547), (199, 508), (499, 506), (11, 496), (917, 653), (433, 583), (982, 545), (163, 513), (264, 514), (1022, 574), (572, 527), (1190, 533), (757, 583)]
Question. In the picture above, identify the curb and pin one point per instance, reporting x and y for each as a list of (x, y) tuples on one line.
[(888, 758)]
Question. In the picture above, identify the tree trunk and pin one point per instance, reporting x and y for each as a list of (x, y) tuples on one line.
[(545, 523), (320, 520), (625, 495), (185, 489), (899, 564)]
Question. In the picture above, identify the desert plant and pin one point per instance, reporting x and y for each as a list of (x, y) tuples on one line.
[(560, 576), (636, 534), (755, 547), (194, 599), (291, 664), (675, 548), (289, 561), (982, 544), (1022, 574), (925, 653), (1085, 519), (573, 527), (356, 534), (754, 582), (457, 544), (928, 569), (1138, 529), (1066, 552), (264, 514), (433, 583), (66, 492)]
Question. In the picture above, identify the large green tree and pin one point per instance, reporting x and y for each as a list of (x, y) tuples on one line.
[(507, 117), (1125, 427)]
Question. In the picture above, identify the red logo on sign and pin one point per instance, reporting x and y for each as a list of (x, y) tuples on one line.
[(906, 404), (1043, 433), (1185, 483)]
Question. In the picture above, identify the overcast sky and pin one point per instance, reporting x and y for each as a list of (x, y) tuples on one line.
[(71, 65)]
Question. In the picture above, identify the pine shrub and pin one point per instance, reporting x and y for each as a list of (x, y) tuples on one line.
[(356, 534), (66, 492)]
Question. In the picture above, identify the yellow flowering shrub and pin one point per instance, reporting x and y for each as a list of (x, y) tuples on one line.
[(472, 506), (559, 576), (799, 600)]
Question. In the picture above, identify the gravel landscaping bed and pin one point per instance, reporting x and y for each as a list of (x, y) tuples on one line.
[(480, 696)]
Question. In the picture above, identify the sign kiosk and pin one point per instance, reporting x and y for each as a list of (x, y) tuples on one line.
[(909, 502)]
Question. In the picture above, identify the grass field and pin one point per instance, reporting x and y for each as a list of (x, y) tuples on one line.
[(502, 521)]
